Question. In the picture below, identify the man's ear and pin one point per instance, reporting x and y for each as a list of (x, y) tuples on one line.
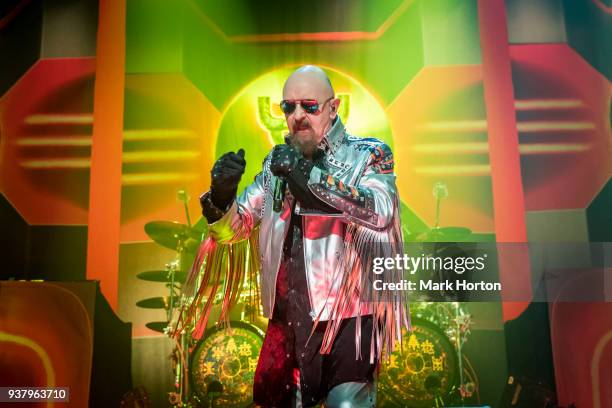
[(334, 105)]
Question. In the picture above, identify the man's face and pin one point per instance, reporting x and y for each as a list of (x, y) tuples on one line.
[(306, 130)]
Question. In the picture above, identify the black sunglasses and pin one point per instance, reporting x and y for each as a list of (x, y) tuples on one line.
[(310, 106)]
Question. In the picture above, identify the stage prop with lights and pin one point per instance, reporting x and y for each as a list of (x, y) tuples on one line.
[(63, 334)]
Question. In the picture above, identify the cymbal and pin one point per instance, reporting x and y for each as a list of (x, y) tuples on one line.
[(162, 276), (201, 226), (157, 326), (162, 302), (171, 234), (441, 234)]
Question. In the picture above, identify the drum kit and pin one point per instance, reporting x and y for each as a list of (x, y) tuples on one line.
[(218, 370), (429, 368)]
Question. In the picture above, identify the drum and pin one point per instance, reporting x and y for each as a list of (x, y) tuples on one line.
[(424, 371), (223, 365)]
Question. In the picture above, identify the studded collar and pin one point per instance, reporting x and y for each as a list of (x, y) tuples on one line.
[(333, 138)]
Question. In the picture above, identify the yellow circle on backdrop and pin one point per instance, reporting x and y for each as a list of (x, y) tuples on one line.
[(253, 120)]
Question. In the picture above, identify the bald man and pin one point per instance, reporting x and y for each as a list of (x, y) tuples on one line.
[(325, 202)]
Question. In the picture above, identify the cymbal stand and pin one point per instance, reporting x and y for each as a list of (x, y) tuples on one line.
[(172, 268), (440, 191), (184, 198), (182, 344), (459, 344)]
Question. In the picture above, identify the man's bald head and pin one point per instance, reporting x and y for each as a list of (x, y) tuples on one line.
[(313, 77)]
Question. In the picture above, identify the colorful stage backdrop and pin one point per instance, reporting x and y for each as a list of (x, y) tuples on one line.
[(110, 108)]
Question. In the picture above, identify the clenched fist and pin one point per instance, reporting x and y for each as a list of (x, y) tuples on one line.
[(225, 177), (284, 159)]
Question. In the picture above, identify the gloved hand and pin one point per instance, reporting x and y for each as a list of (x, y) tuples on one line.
[(225, 177), (283, 160), (289, 163)]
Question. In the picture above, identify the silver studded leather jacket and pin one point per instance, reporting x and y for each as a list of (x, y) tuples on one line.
[(357, 179)]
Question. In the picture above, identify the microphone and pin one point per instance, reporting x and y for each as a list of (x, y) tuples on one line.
[(279, 194), (279, 189)]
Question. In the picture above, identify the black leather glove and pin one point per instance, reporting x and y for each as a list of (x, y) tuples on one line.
[(283, 160), (288, 162), (298, 185), (225, 177)]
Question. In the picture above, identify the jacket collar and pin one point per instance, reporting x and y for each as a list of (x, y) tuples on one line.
[(334, 136)]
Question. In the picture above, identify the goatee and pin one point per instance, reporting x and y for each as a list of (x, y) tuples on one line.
[(306, 147)]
